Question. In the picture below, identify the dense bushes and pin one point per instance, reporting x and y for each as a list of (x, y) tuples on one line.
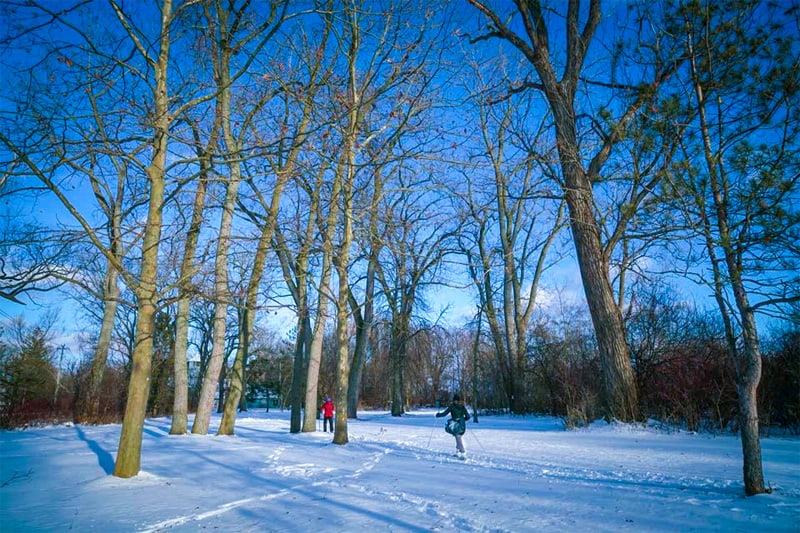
[(685, 376), (779, 393)]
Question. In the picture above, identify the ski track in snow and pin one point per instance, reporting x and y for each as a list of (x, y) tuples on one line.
[(697, 490), (402, 478), (442, 520), (310, 477), (300, 470)]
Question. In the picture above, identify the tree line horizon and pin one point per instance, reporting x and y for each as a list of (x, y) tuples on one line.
[(212, 160)]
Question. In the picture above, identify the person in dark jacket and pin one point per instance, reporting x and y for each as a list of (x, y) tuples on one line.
[(327, 414), (456, 426)]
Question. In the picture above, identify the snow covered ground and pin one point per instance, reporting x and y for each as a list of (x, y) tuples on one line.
[(395, 474)]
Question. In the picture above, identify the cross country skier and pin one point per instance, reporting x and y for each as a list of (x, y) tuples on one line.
[(457, 424)]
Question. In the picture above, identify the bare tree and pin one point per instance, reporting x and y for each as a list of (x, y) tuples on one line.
[(511, 221), (299, 276), (416, 242), (225, 23), (528, 29), (300, 93), (188, 267)]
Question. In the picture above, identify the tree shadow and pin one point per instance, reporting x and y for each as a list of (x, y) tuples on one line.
[(104, 459)]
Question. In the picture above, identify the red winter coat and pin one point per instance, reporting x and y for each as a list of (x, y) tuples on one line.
[(327, 409)]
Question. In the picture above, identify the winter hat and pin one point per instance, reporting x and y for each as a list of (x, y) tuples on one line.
[(456, 397)]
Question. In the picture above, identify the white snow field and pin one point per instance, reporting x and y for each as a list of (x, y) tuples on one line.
[(396, 474)]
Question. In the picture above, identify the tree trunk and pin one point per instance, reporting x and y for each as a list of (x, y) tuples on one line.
[(749, 377), (180, 400), (363, 334), (130, 442), (619, 384), (208, 390), (342, 353), (315, 351), (297, 387), (91, 405), (221, 296), (397, 354), (748, 365), (180, 404), (235, 392)]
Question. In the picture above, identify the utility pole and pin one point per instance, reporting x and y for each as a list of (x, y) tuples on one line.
[(58, 373)]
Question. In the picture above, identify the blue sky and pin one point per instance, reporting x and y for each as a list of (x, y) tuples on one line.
[(461, 301)]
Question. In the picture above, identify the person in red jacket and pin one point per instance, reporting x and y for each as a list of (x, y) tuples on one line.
[(327, 413)]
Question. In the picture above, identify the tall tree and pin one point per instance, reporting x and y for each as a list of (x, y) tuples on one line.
[(561, 75), (233, 54), (511, 220), (188, 266), (416, 244), (139, 74), (300, 93), (130, 442)]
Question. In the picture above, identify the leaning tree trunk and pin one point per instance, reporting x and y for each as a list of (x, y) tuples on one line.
[(91, 404), (130, 442), (619, 385), (620, 393)]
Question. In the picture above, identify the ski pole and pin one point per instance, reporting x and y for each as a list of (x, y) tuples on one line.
[(476, 440), (433, 427)]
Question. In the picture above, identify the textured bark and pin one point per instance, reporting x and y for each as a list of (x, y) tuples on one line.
[(315, 350), (130, 443), (363, 335), (398, 353), (180, 404), (342, 260), (91, 404), (619, 385), (298, 376), (749, 377), (235, 392), (180, 401)]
